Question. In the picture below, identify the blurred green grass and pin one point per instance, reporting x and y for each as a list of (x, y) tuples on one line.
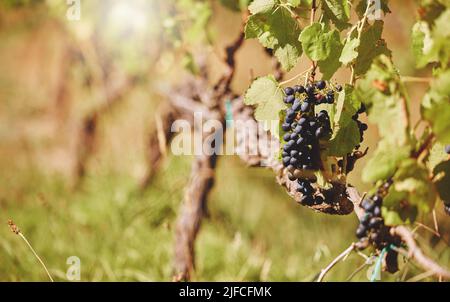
[(253, 231)]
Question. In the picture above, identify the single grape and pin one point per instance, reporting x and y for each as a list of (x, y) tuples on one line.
[(286, 127), (320, 85), (290, 113), (289, 91), (293, 161), (377, 199), (301, 121), (305, 107), (296, 106), (298, 129), (319, 200), (299, 88), (309, 89), (361, 231), (320, 132), (377, 212), (289, 99), (375, 222)]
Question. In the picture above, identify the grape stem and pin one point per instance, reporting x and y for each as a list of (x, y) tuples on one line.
[(296, 76), (415, 79), (342, 257), (311, 21)]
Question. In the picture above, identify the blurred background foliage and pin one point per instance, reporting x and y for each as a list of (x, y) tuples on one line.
[(55, 72)]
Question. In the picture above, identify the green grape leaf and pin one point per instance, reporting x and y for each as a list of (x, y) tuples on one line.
[(331, 64), (317, 43), (261, 6), (338, 12), (346, 132), (345, 139), (398, 215), (349, 52), (288, 55), (436, 107), (441, 38), (267, 96), (370, 47), (380, 92), (436, 156), (279, 31), (384, 162), (413, 179)]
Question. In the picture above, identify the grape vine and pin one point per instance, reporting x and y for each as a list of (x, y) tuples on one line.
[(321, 130)]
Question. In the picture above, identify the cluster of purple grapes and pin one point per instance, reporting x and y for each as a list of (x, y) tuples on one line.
[(371, 223), (304, 131), (373, 229)]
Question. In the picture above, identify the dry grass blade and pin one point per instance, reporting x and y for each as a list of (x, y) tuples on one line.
[(17, 231)]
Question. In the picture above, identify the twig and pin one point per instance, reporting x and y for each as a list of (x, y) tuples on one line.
[(296, 76), (313, 11), (415, 79), (424, 146), (436, 226), (17, 231), (353, 274), (335, 261), (421, 276), (311, 21), (415, 253), (158, 140), (428, 228)]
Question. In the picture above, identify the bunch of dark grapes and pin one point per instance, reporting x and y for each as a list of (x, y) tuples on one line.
[(372, 223), (373, 229), (304, 132)]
